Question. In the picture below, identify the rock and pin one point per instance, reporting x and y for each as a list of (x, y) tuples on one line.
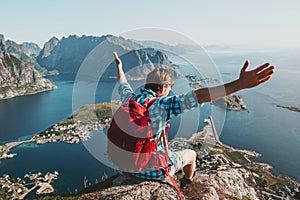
[(31, 49), (233, 183), (24, 52), (126, 187), (48, 47), (18, 78), (207, 185)]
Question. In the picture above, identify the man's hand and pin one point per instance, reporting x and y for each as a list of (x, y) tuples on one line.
[(252, 78), (117, 59), (121, 75), (247, 79)]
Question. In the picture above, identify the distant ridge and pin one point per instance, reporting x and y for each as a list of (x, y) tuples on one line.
[(67, 55)]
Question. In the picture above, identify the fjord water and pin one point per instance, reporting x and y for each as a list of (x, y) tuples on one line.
[(22, 117), (274, 132)]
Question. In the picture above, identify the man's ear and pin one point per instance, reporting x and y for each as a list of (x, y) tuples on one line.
[(161, 88)]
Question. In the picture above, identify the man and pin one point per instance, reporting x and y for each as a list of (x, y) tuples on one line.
[(159, 83)]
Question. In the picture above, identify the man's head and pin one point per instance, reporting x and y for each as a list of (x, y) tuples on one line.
[(159, 81)]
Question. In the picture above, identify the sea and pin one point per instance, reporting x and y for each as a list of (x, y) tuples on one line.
[(272, 131)]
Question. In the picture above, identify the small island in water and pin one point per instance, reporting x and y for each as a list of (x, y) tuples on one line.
[(291, 108), (232, 102)]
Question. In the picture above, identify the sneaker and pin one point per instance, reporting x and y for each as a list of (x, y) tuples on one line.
[(184, 181)]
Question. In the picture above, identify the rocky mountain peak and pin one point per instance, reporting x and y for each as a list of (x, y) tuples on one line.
[(22, 52), (31, 49), (18, 78), (48, 47), (2, 42)]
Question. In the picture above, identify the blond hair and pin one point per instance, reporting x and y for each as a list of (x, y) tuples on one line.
[(157, 78)]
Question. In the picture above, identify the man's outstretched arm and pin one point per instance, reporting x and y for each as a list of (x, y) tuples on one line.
[(121, 75), (125, 90), (247, 79)]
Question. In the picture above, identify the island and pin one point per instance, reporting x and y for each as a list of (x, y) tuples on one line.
[(18, 189), (232, 102), (291, 108), (196, 82)]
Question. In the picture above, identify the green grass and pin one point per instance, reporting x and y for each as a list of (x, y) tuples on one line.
[(269, 178), (236, 157), (3, 194), (88, 114), (3, 89), (94, 112)]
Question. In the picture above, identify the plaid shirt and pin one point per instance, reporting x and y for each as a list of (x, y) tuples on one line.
[(160, 112)]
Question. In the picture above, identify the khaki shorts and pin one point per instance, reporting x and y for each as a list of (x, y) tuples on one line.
[(179, 162)]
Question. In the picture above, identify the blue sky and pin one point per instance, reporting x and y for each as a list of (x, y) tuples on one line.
[(264, 23)]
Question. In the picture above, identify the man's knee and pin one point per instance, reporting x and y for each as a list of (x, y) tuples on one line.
[(191, 154)]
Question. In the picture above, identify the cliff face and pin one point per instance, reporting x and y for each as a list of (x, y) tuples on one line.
[(18, 78), (48, 47), (24, 52), (31, 49)]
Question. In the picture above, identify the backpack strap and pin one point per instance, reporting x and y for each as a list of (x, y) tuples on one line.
[(150, 101), (167, 170), (164, 134)]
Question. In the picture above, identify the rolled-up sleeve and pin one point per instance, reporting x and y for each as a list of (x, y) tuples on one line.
[(125, 91)]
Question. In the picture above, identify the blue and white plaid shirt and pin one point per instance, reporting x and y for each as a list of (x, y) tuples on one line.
[(160, 112)]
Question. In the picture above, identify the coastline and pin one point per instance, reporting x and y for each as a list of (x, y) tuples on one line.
[(30, 93), (249, 154), (5, 149)]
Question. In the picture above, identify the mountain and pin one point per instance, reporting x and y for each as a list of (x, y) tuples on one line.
[(19, 78), (48, 47), (31, 49), (67, 55), (138, 63), (24, 52)]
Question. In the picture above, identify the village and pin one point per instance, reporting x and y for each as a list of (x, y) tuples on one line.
[(70, 132), (19, 188)]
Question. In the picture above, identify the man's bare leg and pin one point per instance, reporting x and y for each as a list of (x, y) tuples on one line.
[(189, 166)]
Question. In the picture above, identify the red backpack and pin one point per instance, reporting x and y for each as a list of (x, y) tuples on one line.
[(131, 144)]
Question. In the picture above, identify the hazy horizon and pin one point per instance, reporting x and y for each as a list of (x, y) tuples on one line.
[(256, 23)]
